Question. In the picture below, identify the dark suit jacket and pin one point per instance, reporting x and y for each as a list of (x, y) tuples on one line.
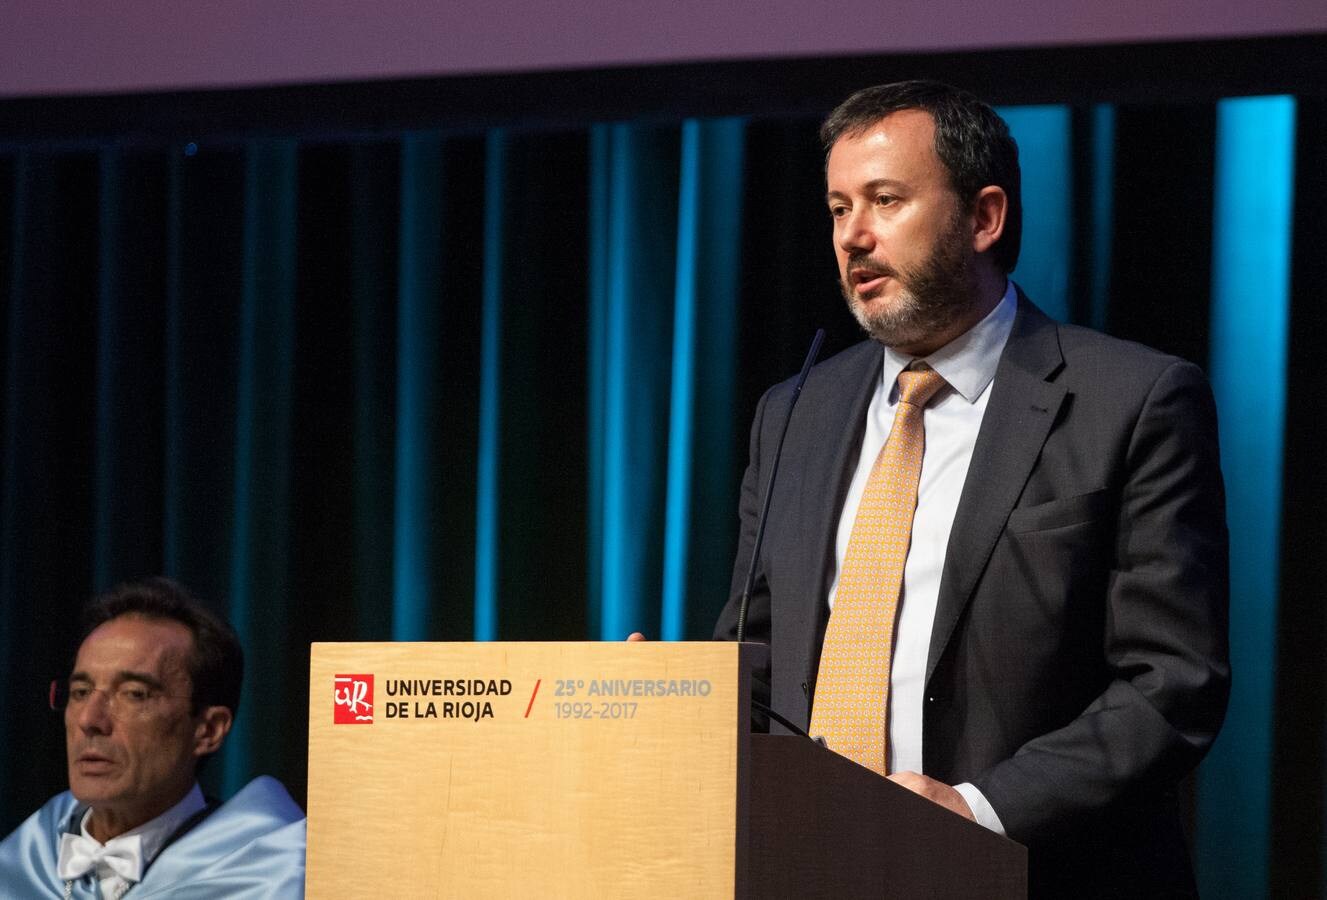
[(1078, 665)]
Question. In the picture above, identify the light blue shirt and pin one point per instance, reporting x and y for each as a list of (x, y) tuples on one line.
[(151, 834), (250, 848), (952, 421)]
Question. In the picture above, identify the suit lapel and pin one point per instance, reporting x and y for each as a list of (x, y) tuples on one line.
[(1023, 407), (840, 405)]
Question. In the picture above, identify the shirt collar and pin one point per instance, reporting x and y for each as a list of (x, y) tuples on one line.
[(968, 362), (154, 832)]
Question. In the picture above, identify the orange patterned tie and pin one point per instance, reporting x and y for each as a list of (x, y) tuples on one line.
[(852, 688)]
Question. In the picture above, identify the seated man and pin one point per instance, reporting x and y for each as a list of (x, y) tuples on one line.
[(154, 691)]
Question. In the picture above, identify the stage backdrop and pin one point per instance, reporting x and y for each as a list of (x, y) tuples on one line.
[(68, 47), (475, 384)]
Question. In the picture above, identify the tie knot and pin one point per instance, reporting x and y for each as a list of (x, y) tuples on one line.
[(918, 384)]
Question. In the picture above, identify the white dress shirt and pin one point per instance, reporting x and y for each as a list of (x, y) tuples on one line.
[(952, 421), (151, 836)]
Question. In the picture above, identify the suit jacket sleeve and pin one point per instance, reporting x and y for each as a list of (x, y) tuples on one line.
[(1165, 631)]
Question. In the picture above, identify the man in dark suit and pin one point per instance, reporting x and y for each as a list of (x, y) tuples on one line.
[(1055, 656)]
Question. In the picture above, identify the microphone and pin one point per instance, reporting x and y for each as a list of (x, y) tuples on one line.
[(786, 723), (769, 484)]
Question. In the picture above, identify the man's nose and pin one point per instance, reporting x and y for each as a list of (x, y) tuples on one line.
[(94, 715), (854, 232)]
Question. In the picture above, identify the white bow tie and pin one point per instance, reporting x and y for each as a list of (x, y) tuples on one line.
[(80, 855)]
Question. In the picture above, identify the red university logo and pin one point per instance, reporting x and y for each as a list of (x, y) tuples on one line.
[(353, 695)]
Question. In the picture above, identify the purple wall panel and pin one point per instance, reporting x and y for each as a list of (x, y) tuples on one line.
[(65, 47)]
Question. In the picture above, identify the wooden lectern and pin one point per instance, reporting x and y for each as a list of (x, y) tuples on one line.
[(602, 770)]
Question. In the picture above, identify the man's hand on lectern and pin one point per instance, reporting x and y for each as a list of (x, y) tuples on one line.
[(935, 791)]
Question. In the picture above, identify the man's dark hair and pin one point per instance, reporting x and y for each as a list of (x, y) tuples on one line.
[(971, 140), (216, 663)]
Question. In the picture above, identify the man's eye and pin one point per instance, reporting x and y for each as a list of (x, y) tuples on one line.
[(884, 199), (134, 694), (838, 212), (80, 693)]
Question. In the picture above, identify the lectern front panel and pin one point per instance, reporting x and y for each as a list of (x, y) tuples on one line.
[(524, 770)]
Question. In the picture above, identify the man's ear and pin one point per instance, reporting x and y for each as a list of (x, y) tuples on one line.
[(212, 726), (988, 215)]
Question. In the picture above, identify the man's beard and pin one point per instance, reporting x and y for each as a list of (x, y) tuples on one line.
[(931, 296)]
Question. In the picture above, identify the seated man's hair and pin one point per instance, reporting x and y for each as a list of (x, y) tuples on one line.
[(216, 665)]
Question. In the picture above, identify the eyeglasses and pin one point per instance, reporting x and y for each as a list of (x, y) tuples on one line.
[(124, 701)]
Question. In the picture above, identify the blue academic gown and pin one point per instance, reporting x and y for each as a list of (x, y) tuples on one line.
[(251, 847)]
